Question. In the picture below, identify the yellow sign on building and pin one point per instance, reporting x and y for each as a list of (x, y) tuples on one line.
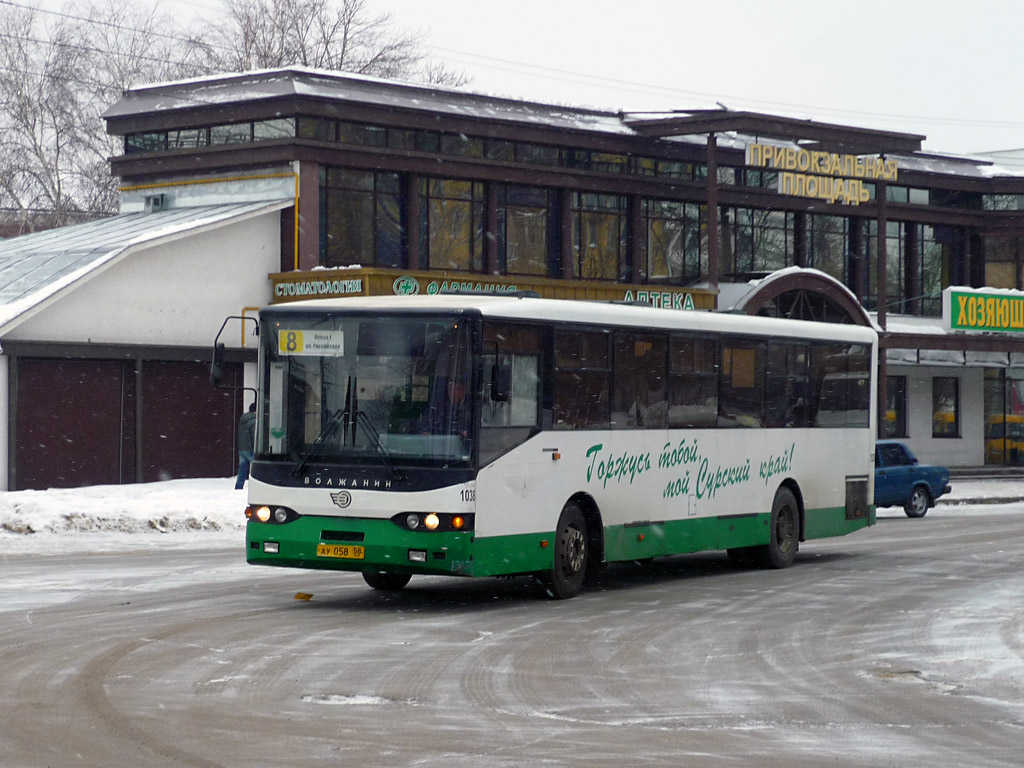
[(372, 281)]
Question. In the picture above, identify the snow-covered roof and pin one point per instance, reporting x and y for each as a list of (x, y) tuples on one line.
[(36, 268), (297, 81), (356, 89)]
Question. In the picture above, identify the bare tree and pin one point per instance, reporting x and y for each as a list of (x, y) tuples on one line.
[(57, 75), (323, 34), (60, 71)]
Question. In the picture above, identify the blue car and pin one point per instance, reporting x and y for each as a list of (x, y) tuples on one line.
[(900, 480)]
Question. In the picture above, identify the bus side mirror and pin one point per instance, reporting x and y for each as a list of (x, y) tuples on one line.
[(501, 382), (217, 365)]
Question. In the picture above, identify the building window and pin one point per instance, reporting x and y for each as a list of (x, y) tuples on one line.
[(829, 245), (497, 149), (1002, 202), (608, 162), (933, 265), (755, 241), (527, 230), (237, 133), (452, 224), (317, 129), (536, 154), (145, 142), (1001, 261), (673, 242), (191, 138), (361, 219), (895, 262), (895, 407), (281, 128), (460, 144), (600, 237), (945, 406), (359, 133), (673, 169), (918, 267)]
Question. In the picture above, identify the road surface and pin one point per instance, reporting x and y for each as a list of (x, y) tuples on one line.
[(902, 645)]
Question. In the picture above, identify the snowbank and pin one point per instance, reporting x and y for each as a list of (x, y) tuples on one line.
[(106, 517)]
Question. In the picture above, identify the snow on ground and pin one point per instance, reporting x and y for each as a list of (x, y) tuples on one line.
[(209, 512), (116, 517)]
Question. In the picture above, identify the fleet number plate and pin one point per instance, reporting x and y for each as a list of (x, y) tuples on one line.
[(344, 551)]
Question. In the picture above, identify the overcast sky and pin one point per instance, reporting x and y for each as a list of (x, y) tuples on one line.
[(947, 69)]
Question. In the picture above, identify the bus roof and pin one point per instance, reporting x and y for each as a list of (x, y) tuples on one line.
[(601, 313)]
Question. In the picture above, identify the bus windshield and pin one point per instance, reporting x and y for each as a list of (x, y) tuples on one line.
[(376, 389)]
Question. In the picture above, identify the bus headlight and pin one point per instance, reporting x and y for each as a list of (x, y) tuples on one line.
[(263, 514), (281, 515), (441, 522)]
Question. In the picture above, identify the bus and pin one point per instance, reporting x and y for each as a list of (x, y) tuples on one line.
[(488, 435)]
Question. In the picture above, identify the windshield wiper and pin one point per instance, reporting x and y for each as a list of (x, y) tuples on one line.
[(374, 435), (317, 445)]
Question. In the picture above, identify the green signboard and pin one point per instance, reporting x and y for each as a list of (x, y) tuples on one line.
[(966, 309)]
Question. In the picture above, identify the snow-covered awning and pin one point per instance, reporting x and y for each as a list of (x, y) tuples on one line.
[(914, 340)]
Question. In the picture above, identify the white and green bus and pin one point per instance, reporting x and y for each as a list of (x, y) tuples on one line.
[(492, 435)]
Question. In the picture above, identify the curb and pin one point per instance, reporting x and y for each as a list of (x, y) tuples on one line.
[(985, 500)]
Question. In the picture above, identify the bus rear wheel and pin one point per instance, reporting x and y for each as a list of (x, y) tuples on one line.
[(386, 581), (784, 537), (569, 569)]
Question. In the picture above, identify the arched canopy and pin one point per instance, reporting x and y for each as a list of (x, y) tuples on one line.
[(804, 294)]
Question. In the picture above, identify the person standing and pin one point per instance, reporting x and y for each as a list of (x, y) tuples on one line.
[(246, 444)]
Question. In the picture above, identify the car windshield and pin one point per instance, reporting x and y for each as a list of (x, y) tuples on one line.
[(347, 388)]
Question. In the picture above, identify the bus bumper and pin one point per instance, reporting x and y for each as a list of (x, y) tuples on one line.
[(358, 544)]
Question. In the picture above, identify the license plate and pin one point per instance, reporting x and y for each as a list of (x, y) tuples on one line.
[(344, 551)]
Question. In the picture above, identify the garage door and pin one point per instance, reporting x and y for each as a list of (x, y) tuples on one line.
[(75, 422), (188, 426)]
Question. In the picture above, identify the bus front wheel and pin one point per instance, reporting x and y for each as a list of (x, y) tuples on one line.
[(784, 537), (569, 568), (386, 580)]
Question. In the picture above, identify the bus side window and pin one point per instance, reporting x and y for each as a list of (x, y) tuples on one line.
[(840, 385), (693, 382), (581, 381), (504, 423), (786, 386), (639, 397), (741, 384)]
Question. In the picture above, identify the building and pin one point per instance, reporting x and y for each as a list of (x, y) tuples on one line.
[(280, 185)]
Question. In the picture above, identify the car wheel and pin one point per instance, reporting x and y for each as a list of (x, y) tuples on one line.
[(918, 503), (569, 569), (386, 580), (784, 537)]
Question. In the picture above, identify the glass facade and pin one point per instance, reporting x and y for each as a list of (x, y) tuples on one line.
[(452, 224), (361, 219), (527, 230), (600, 237)]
